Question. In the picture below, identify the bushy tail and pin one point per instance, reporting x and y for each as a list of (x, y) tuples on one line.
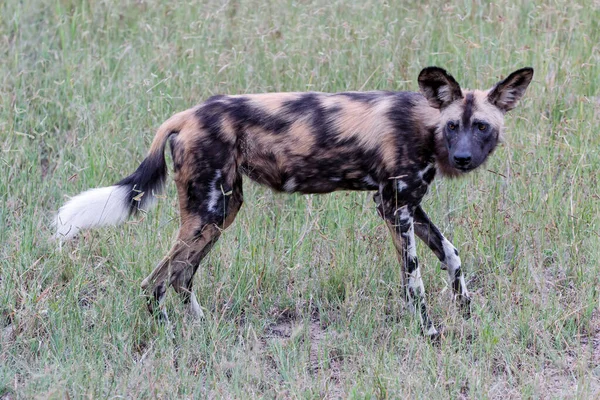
[(112, 205)]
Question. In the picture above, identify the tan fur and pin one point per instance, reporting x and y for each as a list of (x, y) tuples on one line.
[(488, 112), (427, 116), (177, 123), (228, 130), (451, 113), (302, 141), (368, 124), (271, 102)]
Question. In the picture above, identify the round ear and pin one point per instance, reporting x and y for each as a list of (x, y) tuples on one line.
[(506, 94), (439, 87)]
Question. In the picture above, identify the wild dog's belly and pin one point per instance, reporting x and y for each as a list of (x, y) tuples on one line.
[(311, 175), (328, 173)]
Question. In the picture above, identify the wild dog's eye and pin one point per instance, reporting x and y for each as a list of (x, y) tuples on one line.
[(482, 127), (451, 126)]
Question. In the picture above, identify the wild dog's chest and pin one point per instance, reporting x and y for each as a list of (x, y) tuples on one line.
[(410, 187)]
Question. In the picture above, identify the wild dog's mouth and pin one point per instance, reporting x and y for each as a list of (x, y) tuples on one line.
[(464, 168)]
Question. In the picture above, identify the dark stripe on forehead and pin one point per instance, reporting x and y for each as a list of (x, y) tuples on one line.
[(469, 108)]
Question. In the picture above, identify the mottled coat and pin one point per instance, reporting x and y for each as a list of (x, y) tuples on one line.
[(392, 143)]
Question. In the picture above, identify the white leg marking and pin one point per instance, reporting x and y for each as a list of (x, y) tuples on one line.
[(401, 185), (415, 284), (452, 260), (424, 171), (453, 264), (215, 192), (432, 331), (415, 281), (194, 308), (463, 287), (404, 214), (161, 308)]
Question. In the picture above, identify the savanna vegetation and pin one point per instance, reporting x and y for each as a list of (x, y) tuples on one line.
[(302, 294)]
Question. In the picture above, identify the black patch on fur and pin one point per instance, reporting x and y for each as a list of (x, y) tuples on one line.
[(308, 107), (148, 178), (401, 112), (176, 153), (469, 108), (210, 116), (456, 283), (366, 97), (429, 233), (246, 115), (242, 113), (429, 175), (210, 155)]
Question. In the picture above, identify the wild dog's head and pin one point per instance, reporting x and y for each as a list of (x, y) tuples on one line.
[(471, 122)]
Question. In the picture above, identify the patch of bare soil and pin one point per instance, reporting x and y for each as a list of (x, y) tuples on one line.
[(567, 380), (323, 360)]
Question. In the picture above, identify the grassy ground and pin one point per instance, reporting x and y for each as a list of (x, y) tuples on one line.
[(302, 294)]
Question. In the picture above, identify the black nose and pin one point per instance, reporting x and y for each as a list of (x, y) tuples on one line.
[(462, 159)]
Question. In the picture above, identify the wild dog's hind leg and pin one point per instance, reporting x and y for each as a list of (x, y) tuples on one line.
[(204, 214), (182, 279), (401, 225), (181, 276), (194, 241), (447, 254)]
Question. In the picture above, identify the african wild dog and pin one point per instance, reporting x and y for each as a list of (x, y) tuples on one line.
[(389, 142)]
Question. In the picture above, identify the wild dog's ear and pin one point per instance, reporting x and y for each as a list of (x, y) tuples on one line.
[(439, 87), (506, 94)]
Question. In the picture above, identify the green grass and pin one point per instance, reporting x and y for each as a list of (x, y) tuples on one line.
[(302, 293)]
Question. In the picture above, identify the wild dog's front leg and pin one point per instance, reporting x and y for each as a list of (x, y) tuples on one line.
[(401, 225), (446, 253)]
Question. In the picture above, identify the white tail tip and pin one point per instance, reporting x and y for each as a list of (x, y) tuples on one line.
[(92, 208)]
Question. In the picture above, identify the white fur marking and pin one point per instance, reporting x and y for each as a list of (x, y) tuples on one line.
[(424, 171), (401, 185), (416, 282), (290, 185), (432, 331), (444, 94), (411, 245), (404, 214), (368, 179), (95, 207), (452, 261), (215, 192), (194, 308), (508, 98), (463, 287)]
